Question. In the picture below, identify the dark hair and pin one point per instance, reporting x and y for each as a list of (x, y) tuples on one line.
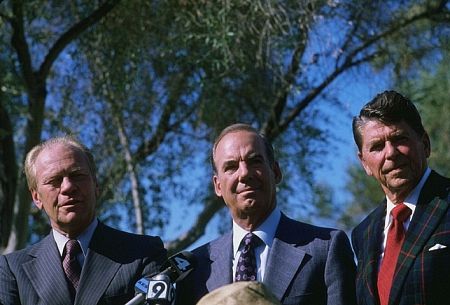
[(242, 127), (389, 107)]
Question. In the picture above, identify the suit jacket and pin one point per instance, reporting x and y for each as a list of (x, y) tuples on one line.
[(307, 265), (422, 276), (114, 262)]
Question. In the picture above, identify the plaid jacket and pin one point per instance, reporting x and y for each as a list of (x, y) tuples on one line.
[(422, 275)]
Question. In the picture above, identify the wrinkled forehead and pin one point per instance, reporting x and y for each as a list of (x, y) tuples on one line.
[(62, 153), (239, 139), (240, 143)]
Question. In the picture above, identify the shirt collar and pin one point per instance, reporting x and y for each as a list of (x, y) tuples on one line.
[(265, 231), (84, 238), (411, 200)]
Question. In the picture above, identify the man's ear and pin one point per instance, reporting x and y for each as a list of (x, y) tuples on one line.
[(426, 144), (363, 163), (217, 186), (36, 199), (277, 172), (97, 190)]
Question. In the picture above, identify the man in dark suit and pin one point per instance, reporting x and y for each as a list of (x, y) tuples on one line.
[(82, 261), (402, 247), (299, 263)]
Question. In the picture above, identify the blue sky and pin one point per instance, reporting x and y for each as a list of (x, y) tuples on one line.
[(355, 91)]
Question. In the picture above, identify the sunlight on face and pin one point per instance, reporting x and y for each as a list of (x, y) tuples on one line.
[(65, 188), (394, 155), (245, 179)]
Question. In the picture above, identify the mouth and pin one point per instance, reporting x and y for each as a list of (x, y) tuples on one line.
[(247, 191), (69, 203), (394, 169)]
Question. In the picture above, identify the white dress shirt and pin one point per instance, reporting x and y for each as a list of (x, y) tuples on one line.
[(410, 201), (265, 232), (83, 239)]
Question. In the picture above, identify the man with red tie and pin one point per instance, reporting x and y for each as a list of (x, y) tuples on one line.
[(403, 246)]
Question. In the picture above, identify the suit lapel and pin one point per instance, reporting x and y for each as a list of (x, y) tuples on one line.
[(288, 256), (97, 273), (427, 217), (46, 274), (284, 252), (371, 253), (98, 270), (221, 257)]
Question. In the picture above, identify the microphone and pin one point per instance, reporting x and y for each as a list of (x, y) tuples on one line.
[(160, 287), (141, 288)]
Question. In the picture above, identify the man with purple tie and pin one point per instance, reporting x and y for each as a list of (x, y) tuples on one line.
[(300, 264), (402, 247)]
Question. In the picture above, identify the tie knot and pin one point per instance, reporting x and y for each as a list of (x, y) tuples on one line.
[(72, 247), (250, 239), (401, 212)]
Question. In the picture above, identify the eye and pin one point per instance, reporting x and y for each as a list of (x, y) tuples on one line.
[(256, 160), (230, 167), (376, 147), (401, 139), (54, 181), (78, 176)]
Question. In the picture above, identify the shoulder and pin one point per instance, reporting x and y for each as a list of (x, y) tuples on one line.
[(289, 229), (14, 260), (125, 243), (214, 247), (375, 214), (435, 186)]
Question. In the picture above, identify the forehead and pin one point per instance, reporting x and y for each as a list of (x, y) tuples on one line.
[(238, 143), (60, 157), (376, 129)]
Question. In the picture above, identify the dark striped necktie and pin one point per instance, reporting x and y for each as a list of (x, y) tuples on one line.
[(71, 265)]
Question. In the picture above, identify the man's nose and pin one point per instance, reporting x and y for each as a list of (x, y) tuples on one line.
[(244, 171), (67, 185), (391, 150)]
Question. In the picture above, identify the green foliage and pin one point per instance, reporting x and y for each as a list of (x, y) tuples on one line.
[(365, 193), (158, 79), (430, 92)]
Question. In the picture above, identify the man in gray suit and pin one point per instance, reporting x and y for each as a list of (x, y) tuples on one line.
[(101, 265), (299, 263)]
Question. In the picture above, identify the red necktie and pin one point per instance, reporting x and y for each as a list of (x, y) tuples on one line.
[(395, 237), (70, 264)]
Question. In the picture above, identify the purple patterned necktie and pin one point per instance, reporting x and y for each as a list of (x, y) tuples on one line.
[(246, 266), (70, 264)]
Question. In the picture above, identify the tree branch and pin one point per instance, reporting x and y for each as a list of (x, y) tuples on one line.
[(20, 44), (8, 185), (74, 32), (213, 205), (164, 126), (271, 126)]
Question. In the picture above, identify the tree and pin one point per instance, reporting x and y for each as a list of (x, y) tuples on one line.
[(33, 82), (166, 76)]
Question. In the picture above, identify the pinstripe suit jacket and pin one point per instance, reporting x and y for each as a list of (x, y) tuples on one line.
[(307, 265), (422, 276), (114, 262)]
